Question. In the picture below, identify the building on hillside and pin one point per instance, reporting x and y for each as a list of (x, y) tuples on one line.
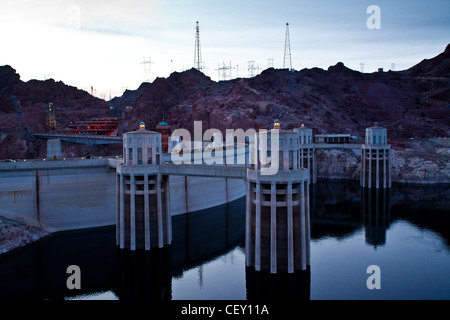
[(96, 126)]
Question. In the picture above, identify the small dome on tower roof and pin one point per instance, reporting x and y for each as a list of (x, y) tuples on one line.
[(163, 124), (142, 130)]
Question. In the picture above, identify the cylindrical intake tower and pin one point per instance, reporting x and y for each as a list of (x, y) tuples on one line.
[(143, 204), (277, 213), (375, 159)]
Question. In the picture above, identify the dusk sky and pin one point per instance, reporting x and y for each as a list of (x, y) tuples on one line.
[(102, 43)]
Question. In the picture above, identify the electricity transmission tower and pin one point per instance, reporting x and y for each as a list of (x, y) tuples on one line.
[(50, 123), (252, 68), (147, 63), (225, 72), (287, 61), (198, 63)]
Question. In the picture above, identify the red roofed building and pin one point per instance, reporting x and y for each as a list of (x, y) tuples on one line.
[(166, 130)]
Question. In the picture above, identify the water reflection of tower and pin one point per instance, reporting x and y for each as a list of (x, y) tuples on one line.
[(375, 214), (282, 286), (144, 275), (312, 205)]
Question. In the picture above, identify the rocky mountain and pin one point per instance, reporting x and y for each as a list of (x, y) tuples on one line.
[(24, 110), (128, 97), (436, 67), (413, 103)]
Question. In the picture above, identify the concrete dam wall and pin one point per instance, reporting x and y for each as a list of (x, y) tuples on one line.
[(85, 197)]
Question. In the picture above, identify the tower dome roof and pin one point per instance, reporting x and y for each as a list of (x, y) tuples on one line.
[(163, 124)]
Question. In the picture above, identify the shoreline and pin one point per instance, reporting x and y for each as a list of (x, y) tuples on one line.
[(17, 233)]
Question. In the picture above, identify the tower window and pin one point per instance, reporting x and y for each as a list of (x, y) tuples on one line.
[(291, 159), (139, 155), (281, 161), (149, 156)]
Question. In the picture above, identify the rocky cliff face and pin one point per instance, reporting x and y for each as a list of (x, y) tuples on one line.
[(419, 162), (24, 107), (411, 103), (422, 162)]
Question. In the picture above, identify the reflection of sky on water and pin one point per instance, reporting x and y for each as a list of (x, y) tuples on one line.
[(414, 265), (103, 296), (220, 279)]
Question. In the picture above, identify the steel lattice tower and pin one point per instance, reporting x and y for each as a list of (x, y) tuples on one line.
[(147, 63), (287, 61), (198, 54)]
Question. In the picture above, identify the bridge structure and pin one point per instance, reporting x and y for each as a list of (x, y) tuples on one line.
[(81, 139)]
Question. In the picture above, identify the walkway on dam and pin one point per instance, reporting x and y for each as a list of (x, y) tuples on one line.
[(96, 140), (346, 146), (72, 163), (231, 172), (213, 171)]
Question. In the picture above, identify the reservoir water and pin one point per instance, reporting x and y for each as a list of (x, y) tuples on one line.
[(404, 231)]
